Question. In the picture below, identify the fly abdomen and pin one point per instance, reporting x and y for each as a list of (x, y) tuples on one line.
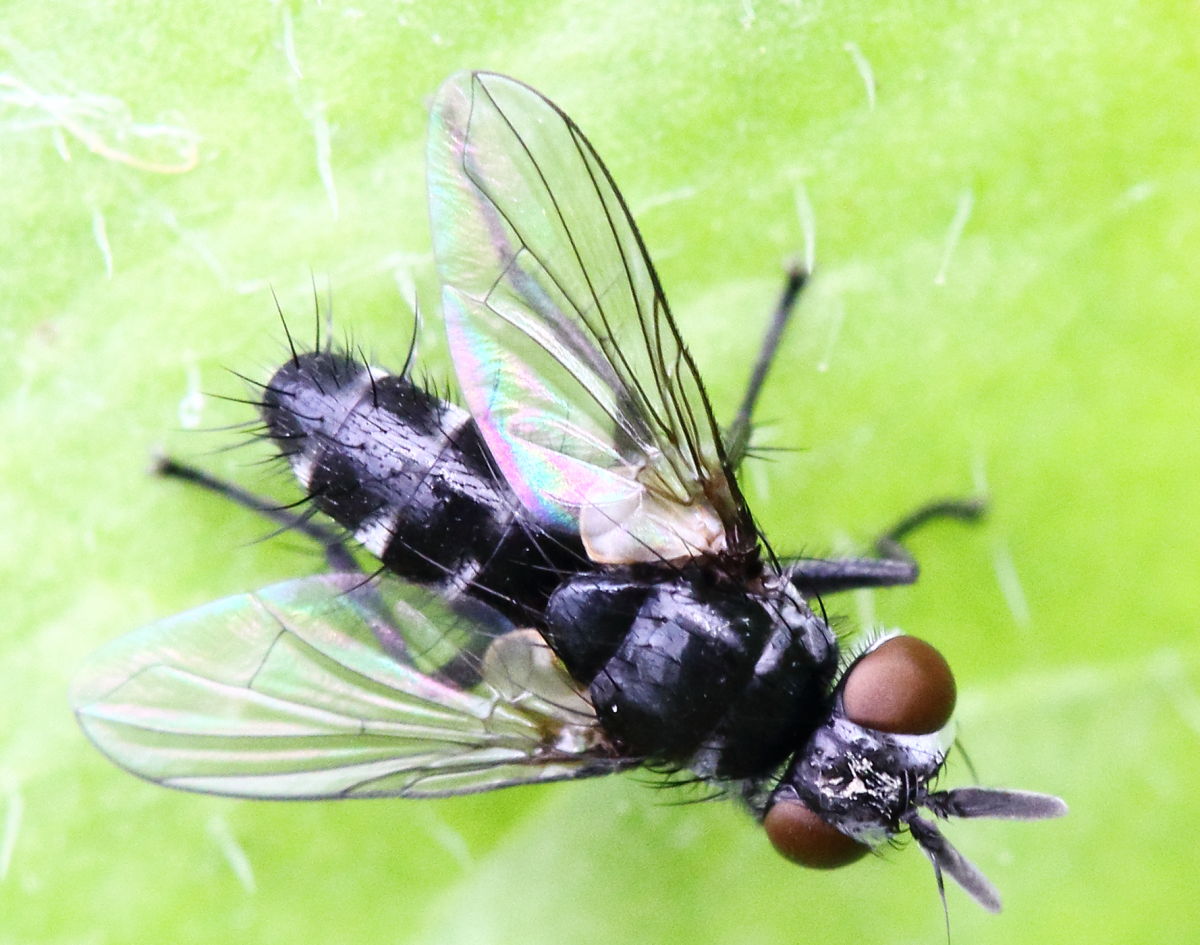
[(409, 476)]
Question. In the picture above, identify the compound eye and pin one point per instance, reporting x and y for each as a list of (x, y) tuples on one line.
[(803, 837), (903, 686)]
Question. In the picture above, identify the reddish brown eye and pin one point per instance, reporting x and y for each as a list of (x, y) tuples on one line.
[(903, 686), (803, 837)]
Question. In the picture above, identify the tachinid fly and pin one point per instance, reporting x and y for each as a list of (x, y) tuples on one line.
[(572, 583)]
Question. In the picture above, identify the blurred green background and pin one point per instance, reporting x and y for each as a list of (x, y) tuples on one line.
[(1005, 204)]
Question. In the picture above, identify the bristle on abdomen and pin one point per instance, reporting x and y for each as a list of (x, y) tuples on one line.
[(407, 474)]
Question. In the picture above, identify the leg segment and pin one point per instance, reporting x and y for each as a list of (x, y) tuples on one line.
[(337, 555), (737, 436), (895, 564)]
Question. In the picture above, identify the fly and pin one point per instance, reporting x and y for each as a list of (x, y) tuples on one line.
[(571, 581)]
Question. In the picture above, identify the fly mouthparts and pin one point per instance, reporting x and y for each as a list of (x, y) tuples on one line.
[(946, 859), (996, 803)]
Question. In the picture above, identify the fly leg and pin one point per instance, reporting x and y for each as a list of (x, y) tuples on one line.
[(337, 556), (894, 564), (737, 436)]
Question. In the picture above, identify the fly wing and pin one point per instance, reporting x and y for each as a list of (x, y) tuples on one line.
[(567, 354), (329, 687)]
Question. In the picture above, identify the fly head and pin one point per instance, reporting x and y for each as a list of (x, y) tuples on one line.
[(867, 772)]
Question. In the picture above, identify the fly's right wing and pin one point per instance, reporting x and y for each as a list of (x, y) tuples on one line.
[(333, 686), (566, 352)]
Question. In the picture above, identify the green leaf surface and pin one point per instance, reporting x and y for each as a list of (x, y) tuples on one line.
[(1005, 205)]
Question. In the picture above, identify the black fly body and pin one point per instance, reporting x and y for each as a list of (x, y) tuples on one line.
[(571, 582)]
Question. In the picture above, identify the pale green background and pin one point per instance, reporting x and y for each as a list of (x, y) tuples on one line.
[(1056, 362)]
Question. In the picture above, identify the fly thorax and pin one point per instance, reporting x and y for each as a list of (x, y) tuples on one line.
[(687, 671), (785, 698), (662, 651)]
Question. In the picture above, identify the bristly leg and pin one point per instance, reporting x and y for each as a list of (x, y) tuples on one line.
[(737, 436), (337, 556), (891, 543), (895, 564)]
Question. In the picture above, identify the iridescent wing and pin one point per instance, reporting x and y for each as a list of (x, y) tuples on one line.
[(332, 687), (567, 354)]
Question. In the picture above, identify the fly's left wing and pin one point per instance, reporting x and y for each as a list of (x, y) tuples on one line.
[(330, 686), (567, 354)]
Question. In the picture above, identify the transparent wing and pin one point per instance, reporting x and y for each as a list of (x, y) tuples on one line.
[(326, 687), (568, 356)]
